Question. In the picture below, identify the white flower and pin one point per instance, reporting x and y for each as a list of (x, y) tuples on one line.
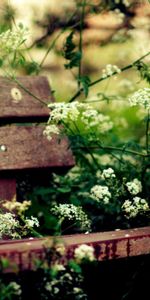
[(92, 118), (141, 97), (134, 186), (8, 224), (58, 267), (11, 40), (109, 70), (32, 222), (69, 113), (72, 213), (133, 208), (49, 130), (15, 287), (99, 192), (48, 286), (64, 111), (126, 3), (108, 173), (84, 252)]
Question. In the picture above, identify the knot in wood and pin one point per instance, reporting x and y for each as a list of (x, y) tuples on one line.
[(16, 95), (3, 148)]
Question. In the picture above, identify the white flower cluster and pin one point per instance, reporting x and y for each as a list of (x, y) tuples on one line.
[(110, 70), (72, 213), (19, 207), (49, 130), (100, 193), (31, 222), (67, 278), (125, 2), (84, 252), (134, 186), (108, 173), (133, 208), (141, 97), (65, 111), (69, 113), (15, 288), (92, 118), (8, 224), (11, 40)]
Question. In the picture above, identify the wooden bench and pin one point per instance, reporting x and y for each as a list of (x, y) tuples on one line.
[(24, 148)]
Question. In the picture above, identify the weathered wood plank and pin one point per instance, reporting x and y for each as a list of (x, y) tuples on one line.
[(27, 148), (16, 102), (107, 245)]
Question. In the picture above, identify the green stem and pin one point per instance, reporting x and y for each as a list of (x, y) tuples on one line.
[(51, 47), (80, 90), (147, 132), (81, 41), (111, 148)]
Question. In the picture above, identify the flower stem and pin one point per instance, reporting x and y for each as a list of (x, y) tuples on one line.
[(147, 132), (111, 148), (81, 40)]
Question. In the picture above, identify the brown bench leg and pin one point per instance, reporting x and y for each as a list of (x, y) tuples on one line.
[(7, 188)]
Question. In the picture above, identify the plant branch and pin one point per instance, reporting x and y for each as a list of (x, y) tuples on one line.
[(81, 40), (80, 90), (147, 132), (111, 148)]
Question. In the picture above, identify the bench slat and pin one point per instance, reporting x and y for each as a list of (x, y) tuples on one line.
[(27, 148), (16, 102), (108, 245)]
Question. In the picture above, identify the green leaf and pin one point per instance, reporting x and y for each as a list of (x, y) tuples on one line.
[(1, 62), (4, 263), (72, 56), (32, 67), (144, 70)]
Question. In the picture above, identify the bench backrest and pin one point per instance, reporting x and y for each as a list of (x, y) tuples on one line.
[(23, 109)]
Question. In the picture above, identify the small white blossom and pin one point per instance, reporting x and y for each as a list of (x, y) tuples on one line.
[(134, 186), (84, 252), (49, 130), (32, 222), (141, 97), (126, 3), (58, 267), (48, 286), (109, 70), (108, 173), (100, 193)]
